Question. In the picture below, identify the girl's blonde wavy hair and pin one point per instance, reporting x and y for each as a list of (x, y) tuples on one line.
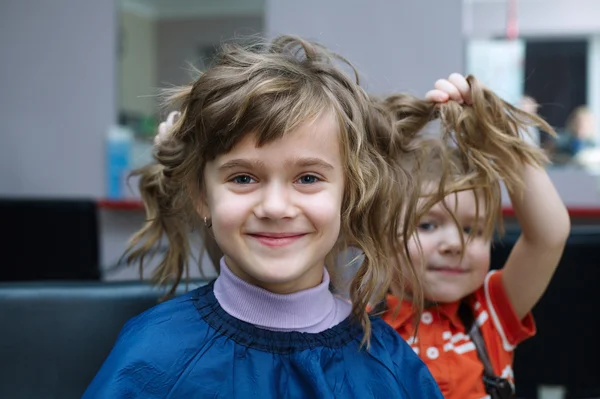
[(270, 90)]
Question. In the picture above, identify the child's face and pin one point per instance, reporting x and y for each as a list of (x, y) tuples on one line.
[(276, 209), (447, 277)]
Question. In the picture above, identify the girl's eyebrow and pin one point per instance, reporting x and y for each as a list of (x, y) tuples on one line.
[(242, 164), (257, 164), (310, 162)]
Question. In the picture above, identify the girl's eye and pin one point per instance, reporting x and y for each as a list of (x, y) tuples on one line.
[(308, 179), (243, 179), (426, 226)]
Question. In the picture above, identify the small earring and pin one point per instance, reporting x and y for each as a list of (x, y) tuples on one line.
[(207, 222)]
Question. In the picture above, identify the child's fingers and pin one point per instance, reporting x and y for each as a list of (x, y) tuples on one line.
[(437, 96), (452, 90), (460, 82)]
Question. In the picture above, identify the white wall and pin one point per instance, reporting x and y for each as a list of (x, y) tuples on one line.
[(137, 81), (396, 45), (57, 96), (577, 189)]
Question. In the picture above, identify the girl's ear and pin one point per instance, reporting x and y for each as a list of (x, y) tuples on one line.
[(199, 197), (201, 205), (210, 244)]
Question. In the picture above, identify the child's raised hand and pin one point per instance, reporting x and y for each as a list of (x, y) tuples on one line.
[(164, 129), (454, 88)]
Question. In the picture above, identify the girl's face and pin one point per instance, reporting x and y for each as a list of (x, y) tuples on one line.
[(276, 209), (447, 276)]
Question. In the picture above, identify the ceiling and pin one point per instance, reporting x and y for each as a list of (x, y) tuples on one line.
[(161, 9)]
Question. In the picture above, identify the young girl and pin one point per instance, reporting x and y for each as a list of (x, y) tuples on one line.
[(284, 160), (458, 286)]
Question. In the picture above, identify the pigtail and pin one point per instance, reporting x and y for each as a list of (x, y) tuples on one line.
[(484, 144), (167, 195), (488, 134), (161, 222), (488, 138), (394, 124)]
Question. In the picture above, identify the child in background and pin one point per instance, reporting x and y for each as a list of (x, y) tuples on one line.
[(460, 291), (284, 159)]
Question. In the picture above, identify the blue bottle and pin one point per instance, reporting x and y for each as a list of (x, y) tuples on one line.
[(118, 160)]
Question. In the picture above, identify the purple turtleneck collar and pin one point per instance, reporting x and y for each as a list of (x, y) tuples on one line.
[(313, 310)]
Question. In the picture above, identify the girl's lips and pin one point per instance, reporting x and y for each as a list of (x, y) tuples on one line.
[(277, 239)]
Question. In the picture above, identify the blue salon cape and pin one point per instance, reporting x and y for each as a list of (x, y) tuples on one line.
[(189, 347)]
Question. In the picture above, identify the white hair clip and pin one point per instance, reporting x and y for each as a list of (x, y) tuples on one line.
[(165, 128)]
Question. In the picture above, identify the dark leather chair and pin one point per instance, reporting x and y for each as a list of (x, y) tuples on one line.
[(566, 348), (55, 336)]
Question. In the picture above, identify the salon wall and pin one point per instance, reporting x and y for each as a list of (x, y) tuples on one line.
[(183, 40), (58, 96), (396, 45)]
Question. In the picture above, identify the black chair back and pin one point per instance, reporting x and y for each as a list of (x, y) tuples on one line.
[(565, 348), (45, 239), (55, 336)]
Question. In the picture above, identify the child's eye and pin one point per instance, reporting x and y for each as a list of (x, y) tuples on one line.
[(243, 179), (308, 179), (426, 226), (470, 230)]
